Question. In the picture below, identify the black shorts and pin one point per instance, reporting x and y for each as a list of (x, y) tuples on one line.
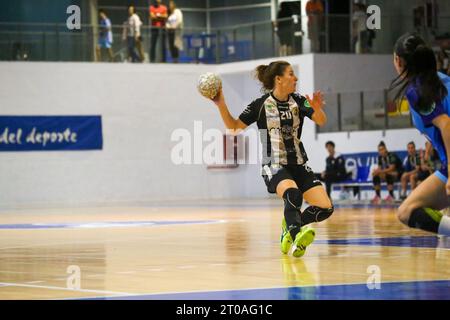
[(301, 174)]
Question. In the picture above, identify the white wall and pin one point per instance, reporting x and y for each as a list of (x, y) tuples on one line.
[(141, 105)]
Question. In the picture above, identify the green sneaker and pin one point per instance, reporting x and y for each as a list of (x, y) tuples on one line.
[(286, 238), (303, 239)]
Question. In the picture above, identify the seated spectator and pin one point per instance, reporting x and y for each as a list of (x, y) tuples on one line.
[(335, 168), (389, 170), (429, 163), (411, 165)]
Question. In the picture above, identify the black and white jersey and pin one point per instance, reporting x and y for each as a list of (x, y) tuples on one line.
[(280, 124)]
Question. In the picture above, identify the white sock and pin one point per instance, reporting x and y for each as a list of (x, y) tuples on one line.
[(444, 226)]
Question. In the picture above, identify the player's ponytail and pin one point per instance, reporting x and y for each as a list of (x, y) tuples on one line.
[(431, 88), (420, 69), (266, 73)]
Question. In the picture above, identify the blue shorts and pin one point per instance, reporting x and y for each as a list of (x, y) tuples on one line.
[(104, 43), (442, 174)]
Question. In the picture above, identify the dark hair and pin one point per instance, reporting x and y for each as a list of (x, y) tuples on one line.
[(419, 69), (330, 143), (102, 11), (412, 142), (174, 3), (266, 73), (381, 144)]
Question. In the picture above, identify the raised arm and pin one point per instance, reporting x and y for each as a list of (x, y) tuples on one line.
[(230, 122)]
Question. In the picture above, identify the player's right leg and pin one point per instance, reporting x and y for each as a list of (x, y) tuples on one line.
[(421, 209), (288, 191)]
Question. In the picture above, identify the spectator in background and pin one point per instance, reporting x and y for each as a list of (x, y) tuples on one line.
[(335, 167), (389, 170), (158, 17), (284, 29), (174, 26), (411, 166), (131, 33), (105, 37), (360, 34), (429, 163), (315, 11), (443, 64), (139, 39)]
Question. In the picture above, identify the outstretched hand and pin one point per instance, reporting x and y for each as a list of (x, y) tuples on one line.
[(317, 101), (219, 99)]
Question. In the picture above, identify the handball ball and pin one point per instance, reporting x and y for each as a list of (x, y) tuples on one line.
[(209, 85)]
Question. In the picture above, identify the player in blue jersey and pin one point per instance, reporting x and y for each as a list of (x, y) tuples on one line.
[(427, 92)]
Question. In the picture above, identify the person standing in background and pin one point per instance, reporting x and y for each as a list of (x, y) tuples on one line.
[(139, 39), (158, 17), (105, 37), (315, 11), (174, 26), (360, 34), (284, 29), (131, 30)]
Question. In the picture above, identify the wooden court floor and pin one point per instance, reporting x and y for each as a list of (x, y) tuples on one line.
[(215, 250)]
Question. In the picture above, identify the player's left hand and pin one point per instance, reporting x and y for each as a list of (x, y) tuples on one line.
[(448, 187), (317, 101)]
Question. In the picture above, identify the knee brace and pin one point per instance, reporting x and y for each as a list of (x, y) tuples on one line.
[(316, 214), (293, 198)]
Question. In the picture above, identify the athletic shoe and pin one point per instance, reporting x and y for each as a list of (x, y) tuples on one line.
[(403, 197), (286, 238), (303, 239), (375, 200), (389, 199)]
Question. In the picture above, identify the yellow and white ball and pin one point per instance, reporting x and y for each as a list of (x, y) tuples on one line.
[(209, 85)]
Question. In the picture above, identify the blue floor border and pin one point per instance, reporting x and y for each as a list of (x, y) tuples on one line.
[(411, 290)]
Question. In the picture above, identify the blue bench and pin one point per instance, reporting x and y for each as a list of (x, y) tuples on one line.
[(360, 164)]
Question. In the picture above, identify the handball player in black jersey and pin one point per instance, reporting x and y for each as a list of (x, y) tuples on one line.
[(279, 115)]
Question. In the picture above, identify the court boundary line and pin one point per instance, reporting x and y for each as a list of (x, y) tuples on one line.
[(113, 293), (249, 289)]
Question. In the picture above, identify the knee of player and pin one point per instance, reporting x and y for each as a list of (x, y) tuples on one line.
[(326, 212), (293, 197), (330, 210)]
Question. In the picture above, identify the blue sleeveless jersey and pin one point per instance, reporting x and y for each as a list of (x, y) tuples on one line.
[(423, 121)]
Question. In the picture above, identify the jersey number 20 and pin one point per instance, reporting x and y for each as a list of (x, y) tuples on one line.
[(285, 115)]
